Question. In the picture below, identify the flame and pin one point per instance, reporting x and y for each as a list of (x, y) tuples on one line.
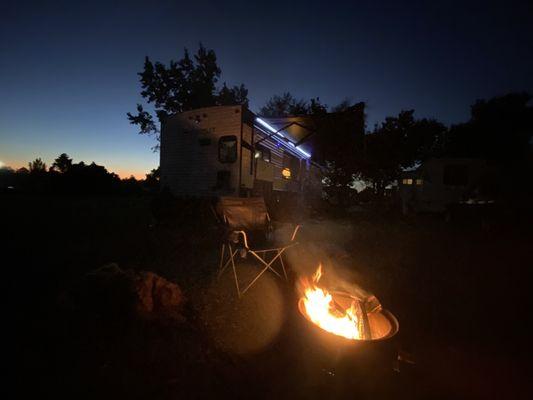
[(322, 310)]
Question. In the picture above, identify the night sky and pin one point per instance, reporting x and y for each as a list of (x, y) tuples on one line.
[(68, 70)]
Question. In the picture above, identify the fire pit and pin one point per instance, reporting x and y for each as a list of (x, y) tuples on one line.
[(345, 336)]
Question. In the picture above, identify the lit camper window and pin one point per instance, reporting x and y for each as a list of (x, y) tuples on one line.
[(407, 181), (227, 149), (262, 153)]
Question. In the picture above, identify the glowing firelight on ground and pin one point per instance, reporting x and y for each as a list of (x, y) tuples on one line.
[(322, 310)]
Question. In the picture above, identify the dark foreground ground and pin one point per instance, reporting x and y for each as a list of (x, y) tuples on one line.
[(460, 290)]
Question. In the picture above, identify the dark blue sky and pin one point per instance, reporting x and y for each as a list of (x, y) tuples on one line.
[(68, 70)]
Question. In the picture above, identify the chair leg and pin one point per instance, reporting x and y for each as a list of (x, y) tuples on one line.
[(225, 265), (269, 264), (255, 279), (221, 260), (283, 266), (234, 270)]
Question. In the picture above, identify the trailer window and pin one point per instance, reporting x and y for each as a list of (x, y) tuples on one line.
[(262, 153), (227, 149)]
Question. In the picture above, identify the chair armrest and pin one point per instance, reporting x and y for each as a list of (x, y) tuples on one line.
[(296, 229), (244, 238)]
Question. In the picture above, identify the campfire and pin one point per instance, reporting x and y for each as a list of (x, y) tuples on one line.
[(351, 316)]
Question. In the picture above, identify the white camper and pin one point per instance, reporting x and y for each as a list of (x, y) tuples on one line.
[(228, 150)]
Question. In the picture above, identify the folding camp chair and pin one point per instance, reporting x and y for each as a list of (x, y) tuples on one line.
[(248, 230)]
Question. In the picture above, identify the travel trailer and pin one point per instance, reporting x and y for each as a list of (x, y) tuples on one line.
[(440, 182), (229, 151)]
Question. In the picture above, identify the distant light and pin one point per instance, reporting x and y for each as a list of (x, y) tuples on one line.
[(1, 164)]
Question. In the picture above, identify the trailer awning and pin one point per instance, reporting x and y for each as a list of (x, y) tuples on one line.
[(295, 131)]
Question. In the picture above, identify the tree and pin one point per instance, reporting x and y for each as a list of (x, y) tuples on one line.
[(62, 163), (284, 105), (187, 84), (339, 139), (399, 142), (37, 166), (152, 179), (499, 130), (231, 96)]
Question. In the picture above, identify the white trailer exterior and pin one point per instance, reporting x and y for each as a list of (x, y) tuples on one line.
[(227, 150)]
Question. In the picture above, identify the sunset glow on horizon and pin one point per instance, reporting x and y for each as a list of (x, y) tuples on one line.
[(123, 173)]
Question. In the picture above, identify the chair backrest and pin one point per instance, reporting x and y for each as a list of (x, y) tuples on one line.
[(249, 214)]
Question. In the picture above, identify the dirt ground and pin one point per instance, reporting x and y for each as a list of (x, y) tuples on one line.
[(459, 289)]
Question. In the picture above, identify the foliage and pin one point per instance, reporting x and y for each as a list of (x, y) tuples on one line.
[(339, 138), (286, 104), (66, 177), (499, 130), (187, 84), (152, 179), (37, 166), (400, 142), (62, 163)]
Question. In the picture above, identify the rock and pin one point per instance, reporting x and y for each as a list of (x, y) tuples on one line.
[(166, 294), (143, 286), (111, 291), (155, 294)]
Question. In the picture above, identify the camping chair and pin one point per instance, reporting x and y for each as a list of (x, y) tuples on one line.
[(248, 230)]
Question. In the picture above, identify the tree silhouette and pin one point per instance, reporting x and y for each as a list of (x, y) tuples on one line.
[(338, 140), (400, 142), (187, 84), (152, 179), (499, 130), (37, 166), (62, 163), (284, 105)]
